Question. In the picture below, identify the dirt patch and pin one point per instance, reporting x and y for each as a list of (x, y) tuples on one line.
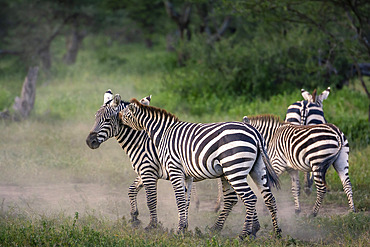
[(112, 202)]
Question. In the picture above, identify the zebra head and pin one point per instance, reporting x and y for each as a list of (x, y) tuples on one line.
[(107, 123), (309, 111), (128, 116), (317, 100)]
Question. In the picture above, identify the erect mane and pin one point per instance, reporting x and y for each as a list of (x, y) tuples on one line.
[(266, 118), (107, 104), (154, 109), (314, 95)]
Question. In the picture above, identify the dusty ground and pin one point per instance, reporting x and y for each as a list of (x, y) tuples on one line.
[(112, 203)]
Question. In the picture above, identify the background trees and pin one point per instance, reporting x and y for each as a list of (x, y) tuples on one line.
[(240, 49)]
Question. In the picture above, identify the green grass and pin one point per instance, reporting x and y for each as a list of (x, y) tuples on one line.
[(63, 230), (49, 149)]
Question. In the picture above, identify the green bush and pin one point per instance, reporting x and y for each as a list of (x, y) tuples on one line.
[(233, 68)]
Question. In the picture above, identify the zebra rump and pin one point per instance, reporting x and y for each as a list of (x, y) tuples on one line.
[(305, 148)]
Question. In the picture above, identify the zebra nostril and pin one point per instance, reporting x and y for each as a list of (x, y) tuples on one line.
[(92, 140)]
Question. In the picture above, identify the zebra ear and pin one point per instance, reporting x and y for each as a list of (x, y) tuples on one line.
[(306, 95), (146, 100), (116, 100), (324, 95), (246, 120), (108, 96)]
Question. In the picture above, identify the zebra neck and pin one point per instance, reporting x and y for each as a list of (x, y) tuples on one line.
[(267, 129), (129, 139), (156, 125)]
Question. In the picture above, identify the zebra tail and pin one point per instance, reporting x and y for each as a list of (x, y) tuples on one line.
[(272, 178)]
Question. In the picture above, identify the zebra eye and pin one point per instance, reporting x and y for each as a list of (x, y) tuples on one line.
[(107, 120)]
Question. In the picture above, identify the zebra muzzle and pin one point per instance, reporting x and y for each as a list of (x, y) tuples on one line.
[(92, 140)]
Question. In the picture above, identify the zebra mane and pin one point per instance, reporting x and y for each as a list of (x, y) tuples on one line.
[(314, 95), (267, 118), (107, 104), (154, 109)]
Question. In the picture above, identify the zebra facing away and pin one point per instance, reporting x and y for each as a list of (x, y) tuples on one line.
[(194, 152), (294, 148), (308, 112), (139, 148)]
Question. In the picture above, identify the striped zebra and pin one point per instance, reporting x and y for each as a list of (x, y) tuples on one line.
[(194, 152), (308, 112), (313, 148), (139, 148)]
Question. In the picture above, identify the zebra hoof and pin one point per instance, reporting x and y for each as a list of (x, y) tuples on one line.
[(278, 233), (151, 226), (215, 229), (182, 228), (248, 236), (255, 228), (308, 191), (135, 222), (297, 211), (313, 215)]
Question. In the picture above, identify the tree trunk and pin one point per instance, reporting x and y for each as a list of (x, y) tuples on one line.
[(23, 105), (182, 20), (359, 73), (73, 43), (45, 56)]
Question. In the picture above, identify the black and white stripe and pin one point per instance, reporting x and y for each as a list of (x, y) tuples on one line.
[(313, 148), (139, 148), (308, 112), (193, 152)]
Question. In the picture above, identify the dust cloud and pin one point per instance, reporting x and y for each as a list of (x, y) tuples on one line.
[(48, 174)]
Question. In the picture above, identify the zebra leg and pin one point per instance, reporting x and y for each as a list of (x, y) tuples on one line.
[(150, 184), (243, 190), (321, 190), (341, 167), (258, 174), (296, 188), (249, 199), (308, 181), (230, 199), (177, 179), (219, 195), (132, 194)]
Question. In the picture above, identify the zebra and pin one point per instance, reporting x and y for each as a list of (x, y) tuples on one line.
[(305, 112), (195, 151), (139, 148), (308, 112), (313, 148)]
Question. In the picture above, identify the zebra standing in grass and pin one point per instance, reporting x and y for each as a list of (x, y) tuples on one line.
[(305, 112), (139, 148), (194, 152), (308, 112), (313, 148)]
